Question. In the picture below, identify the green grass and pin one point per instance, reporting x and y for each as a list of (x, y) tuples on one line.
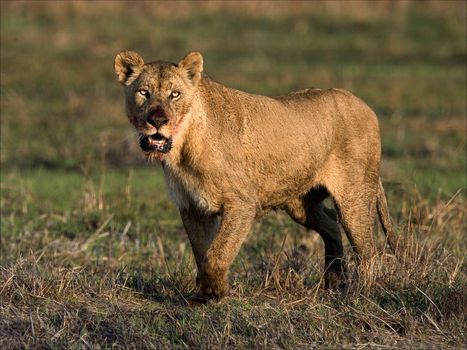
[(93, 253)]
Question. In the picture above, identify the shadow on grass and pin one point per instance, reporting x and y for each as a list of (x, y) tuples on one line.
[(175, 290)]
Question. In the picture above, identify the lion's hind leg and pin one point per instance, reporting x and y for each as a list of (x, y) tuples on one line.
[(310, 212), (357, 215)]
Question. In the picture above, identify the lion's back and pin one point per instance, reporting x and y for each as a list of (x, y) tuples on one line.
[(335, 104)]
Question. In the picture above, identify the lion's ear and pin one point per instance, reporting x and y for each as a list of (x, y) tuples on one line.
[(193, 64), (128, 65)]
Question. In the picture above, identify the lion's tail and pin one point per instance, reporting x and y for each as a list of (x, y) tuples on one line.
[(384, 218)]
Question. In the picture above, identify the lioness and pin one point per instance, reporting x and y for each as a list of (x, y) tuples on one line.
[(229, 156)]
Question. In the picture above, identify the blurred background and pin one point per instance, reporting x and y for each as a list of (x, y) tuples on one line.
[(62, 110)]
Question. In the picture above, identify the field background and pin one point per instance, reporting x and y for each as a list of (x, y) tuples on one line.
[(93, 254)]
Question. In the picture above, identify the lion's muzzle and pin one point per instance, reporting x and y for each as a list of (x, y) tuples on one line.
[(157, 117), (155, 143)]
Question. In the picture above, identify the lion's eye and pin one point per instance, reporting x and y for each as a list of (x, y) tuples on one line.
[(174, 94), (143, 92)]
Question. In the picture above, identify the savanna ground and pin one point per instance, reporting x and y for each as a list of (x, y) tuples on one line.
[(93, 254)]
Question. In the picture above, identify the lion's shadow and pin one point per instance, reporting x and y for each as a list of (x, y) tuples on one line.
[(162, 289)]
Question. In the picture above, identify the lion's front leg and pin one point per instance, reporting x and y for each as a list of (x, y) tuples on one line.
[(235, 224), (201, 229)]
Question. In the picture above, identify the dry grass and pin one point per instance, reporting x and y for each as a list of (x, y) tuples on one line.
[(121, 283)]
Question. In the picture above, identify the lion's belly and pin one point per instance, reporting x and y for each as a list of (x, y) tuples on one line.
[(276, 191), (286, 173)]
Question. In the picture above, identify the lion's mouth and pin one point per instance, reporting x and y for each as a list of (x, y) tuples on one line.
[(155, 143)]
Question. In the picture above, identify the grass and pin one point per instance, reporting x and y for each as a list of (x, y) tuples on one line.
[(94, 255), (118, 273)]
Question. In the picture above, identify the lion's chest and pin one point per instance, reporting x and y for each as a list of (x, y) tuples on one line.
[(186, 190)]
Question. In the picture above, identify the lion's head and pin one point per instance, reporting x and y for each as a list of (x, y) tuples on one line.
[(158, 96)]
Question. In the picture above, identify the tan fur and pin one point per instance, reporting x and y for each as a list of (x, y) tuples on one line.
[(236, 155)]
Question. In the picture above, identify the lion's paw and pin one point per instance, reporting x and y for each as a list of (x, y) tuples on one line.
[(213, 287)]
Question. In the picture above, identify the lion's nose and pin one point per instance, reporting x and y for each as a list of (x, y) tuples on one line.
[(157, 120)]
